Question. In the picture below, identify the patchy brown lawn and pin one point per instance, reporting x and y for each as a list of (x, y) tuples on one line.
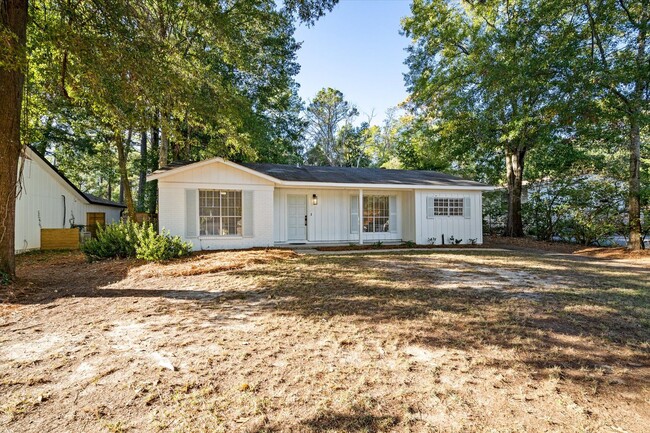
[(274, 341)]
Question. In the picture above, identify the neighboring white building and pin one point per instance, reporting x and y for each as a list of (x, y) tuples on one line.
[(49, 200), (217, 204)]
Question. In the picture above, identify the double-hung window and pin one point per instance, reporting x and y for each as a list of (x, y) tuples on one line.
[(376, 213), (220, 213), (448, 206)]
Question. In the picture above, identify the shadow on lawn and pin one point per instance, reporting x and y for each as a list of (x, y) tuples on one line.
[(590, 320), (593, 316), (350, 422)]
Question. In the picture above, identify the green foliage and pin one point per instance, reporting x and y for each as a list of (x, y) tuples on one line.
[(117, 240), (495, 210), (409, 244), (584, 209), (152, 246), (329, 117), (215, 78), (549, 88), (129, 239)]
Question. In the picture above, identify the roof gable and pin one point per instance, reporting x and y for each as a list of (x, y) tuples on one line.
[(214, 170)]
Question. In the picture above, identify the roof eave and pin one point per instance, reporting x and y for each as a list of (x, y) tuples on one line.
[(296, 184)]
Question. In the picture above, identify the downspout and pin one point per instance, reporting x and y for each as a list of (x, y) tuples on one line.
[(64, 210)]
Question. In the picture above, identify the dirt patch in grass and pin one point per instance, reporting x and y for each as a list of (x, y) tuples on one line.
[(532, 244), (611, 253), (614, 253), (270, 341)]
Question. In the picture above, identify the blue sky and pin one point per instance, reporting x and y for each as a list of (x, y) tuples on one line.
[(358, 50)]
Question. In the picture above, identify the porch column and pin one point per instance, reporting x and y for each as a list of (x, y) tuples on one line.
[(360, 216)]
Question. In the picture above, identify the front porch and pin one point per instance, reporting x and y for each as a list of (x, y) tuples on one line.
[(342, 216)]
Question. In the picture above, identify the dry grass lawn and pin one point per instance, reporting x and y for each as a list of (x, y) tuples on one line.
[(271, 341)]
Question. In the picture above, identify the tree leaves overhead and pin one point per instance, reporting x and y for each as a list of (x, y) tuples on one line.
[(219, 75)]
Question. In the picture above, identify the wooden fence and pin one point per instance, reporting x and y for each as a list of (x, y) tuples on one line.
[(59, 239)]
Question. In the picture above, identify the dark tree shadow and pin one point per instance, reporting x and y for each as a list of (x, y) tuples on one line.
[(356, 421), (384, 291)]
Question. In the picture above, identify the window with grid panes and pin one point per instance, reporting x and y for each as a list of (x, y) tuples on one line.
[(448, 206), (376, 213), (220, 213)]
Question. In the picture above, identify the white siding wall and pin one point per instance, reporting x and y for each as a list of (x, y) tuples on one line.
[(40, 204), (329, 221), (456, 226), (172, 202)]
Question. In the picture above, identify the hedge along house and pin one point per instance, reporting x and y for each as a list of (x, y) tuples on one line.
[(217, 204), (48, 200)]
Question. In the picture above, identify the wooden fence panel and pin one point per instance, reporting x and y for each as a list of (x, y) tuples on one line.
[(59, 239)]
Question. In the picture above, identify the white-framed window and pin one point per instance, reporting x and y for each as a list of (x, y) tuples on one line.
[(220, 213), (376, 213), (448, 206)]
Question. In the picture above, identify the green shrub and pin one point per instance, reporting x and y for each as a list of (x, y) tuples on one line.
[(112, 241), (155, 247), (129, 239)]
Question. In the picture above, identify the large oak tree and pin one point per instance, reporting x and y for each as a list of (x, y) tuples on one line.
[(216, 77), (490, 76)]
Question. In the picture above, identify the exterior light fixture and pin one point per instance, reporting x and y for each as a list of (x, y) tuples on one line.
[(314, 199)]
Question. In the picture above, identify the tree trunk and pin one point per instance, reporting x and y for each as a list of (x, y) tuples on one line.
[(142, 181), (152, 197), (13, 18), (634, 197), (515, 177), (126, 156), (124, 175), (163, 152), (640, 86)]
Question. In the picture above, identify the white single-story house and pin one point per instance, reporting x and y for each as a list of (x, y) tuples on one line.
[(48, 200), (218, 204)]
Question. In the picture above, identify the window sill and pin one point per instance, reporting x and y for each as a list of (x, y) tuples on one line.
[(210, 238)]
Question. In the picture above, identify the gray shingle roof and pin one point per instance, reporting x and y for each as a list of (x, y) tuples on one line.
[(99, 200), (307, 173), (378, 176)]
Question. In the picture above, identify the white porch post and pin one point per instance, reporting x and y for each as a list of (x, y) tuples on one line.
[(360, 216)]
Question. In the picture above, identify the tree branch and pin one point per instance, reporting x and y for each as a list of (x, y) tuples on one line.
[(596, 36), (628, 13)]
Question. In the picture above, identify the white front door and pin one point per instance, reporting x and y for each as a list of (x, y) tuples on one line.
[(296, 217)]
